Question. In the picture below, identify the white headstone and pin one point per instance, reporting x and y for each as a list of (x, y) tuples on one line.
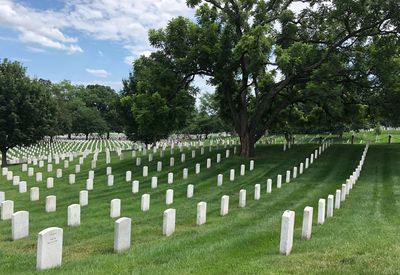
[(115, 208), (307, 223), (135, 186), (34, 196), (89, 184), (154, 182), (301, 168), (269, 185), (39, 176), (59, 173), (201, 213), (232, 175), (50, 183), (30, 172), (2, 196), (279, 181), (329, 209), (169, 198), (208, 165), (287, 176), (145, 203), (169, 222), (171, 161), (122, 234), (128, 176), (71, 179), (19, 225), (251, 165), (189, 191), (197, 168), (159, 166), (257, 191), (170, 177), (321, 211), (337, 199), (218, 158), (74, 215), (224, 205), (77, 168), (220, 179), (185, 173), (343, 193), (49, 248), (242, 169), (145, 171), (183, 157), (287, 228), (84, 198), (7, 209), (51, 204), (295, 172), (22, 188), (16, 180), (110, 180), (242, 198)]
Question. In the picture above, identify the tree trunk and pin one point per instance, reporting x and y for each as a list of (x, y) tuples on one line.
[(51, 139), (108, 135), (247, 142), (4, 158), (69, 135), (87, 136)]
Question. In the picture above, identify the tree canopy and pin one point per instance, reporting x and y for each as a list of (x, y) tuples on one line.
[(264, 58), (25, 108), (155, 99)]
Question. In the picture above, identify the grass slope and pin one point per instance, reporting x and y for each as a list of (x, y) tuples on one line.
[(362, 237)]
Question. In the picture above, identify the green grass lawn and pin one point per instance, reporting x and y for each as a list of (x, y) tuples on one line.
[(362, 237)]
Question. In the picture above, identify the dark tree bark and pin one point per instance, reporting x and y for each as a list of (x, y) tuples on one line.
[(4, 157)]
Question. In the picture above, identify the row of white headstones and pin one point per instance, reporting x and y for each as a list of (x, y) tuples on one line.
[(324, 211), (51, 200), (43, 151), (20, 219)]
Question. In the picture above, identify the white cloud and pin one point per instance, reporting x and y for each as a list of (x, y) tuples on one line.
[(35, 50), (38, 27), (98, 72), (101, 53), (129, 59), (124, 21)]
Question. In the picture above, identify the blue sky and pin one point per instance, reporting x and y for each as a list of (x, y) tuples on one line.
[(83, 41)]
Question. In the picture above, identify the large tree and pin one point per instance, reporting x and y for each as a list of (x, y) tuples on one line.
[(262, 57), (25, 108)]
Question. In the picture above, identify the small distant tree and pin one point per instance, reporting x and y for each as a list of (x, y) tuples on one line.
[(87, 121), (25, 108), (106, 100)]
